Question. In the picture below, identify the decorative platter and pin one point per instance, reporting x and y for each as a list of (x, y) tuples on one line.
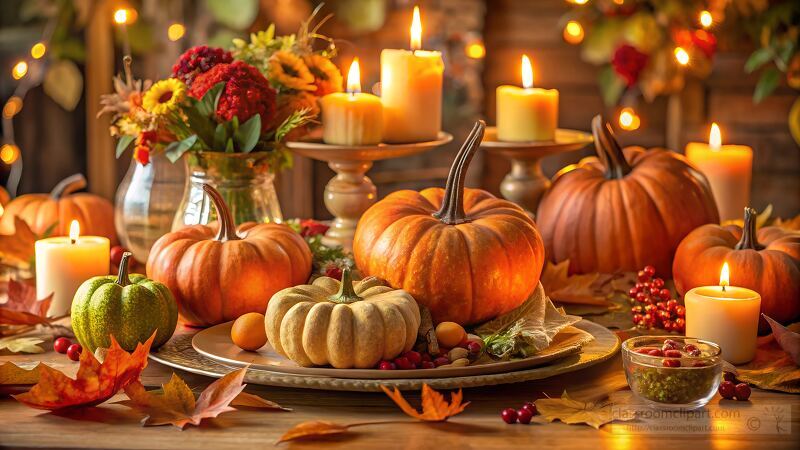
[(215, 343), (565, 141), (313, 147), (180, 354)]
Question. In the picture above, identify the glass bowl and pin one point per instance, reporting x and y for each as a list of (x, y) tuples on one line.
[(687, 381)]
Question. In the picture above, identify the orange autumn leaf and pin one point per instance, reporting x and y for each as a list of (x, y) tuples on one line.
[(576, 289), (11, 373), (313, 429), (18, 248), (22, 307), (95, 382), (247, 400), (434, 406)]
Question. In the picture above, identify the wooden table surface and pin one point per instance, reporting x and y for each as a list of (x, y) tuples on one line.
[(769, 420)]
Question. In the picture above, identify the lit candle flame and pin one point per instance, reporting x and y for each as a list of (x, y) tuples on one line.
[(354, 78), (416, 30), (725, 276), (74, 231), (715, 137), (527, 72)]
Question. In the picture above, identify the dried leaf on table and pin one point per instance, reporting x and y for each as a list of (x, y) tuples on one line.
[(789, 224), (94, 383), (11, 373), (247, 400), (571, 411), (585, 289), (434, 407), (313, 429), (22, 307), (772, 368), (18, 248), (21, 344), (786, 338)]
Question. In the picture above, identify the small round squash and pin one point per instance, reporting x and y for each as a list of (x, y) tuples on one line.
[(248, 331), (129, 307), (345, 325)]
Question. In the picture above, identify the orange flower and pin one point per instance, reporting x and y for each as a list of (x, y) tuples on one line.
[(142, 154), (327, 76)]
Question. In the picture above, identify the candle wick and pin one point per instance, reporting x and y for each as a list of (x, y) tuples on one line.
[(723, 288), (72, 241)]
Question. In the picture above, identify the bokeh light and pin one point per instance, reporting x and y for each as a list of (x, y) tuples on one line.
[(38, 50), (9, 153), (573, 32), (176, 31), (628, 119), (12, 107), (19, 70)]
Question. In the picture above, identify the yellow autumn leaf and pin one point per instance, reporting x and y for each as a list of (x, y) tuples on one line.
[(576, 289), (434, 407), (571, 411)]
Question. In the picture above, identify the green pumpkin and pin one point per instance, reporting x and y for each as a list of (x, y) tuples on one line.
[(130, 308)]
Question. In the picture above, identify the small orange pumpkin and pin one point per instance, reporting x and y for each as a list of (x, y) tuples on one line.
[(463, 253), (624, 211), (217, 273), (54, 212), (767, 261)]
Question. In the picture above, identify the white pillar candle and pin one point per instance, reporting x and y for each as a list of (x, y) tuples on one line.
[(63, 263), (526, 113), (411, 91), (726, 315), (352, 118)]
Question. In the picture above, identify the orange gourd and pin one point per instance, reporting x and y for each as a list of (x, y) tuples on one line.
[(52, 213), (217, 273), (463, 253), (625, 210), (766, 261)]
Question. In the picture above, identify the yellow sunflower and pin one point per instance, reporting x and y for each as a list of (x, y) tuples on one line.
[(287, 70), (164, 96), (328, 78)]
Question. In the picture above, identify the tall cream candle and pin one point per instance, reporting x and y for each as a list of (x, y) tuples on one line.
[(526, 113), (411, 90), (63, 263), (726, 315), (729, 169), (352, 118)]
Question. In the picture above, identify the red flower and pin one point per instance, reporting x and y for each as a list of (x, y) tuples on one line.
[(333, 271), (147, 138), (628, 63), (199, 60), (706, 42), (310, 227), (246, 92), (142, 154)]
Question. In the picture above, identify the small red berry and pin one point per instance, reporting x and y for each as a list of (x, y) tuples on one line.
[(667, 325), (644, 350), (386, 365), (639, 286), (637, 318), (729, 376), (61, 345), (650, 271), (426, 357), (440, 361), (74, 352), (673, 354), (742, 391), (655, 292), (671, 362), (403, 363), (671, 304), (657, 282), (531, 407), (642, 276), (680, 310), (427, 365), (692, 350), (680, 324), (727, 389), (414, 357), (333, 271), (509, 415), (641, 297), (672, 343), (665, 294), (655, 352), (632, 292), (524, 416), (116, 255), (474, 347)]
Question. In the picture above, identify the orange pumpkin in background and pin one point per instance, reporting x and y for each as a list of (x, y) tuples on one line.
[(52, 213), (624, 209), (463, 253), (766, 261), (4, 198), (217, 273)]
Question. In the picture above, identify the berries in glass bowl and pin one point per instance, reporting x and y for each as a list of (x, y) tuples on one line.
[(670, 372)]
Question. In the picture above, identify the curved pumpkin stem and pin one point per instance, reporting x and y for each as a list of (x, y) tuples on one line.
[(608, 149), (227, 229), (452, 210), (68, 185), (749, 239), (347, 294), (122, 276)]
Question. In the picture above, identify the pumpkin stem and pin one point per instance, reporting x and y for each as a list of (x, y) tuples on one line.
[(227, 229), (608, 149), (452, 210), (68, 185), (347, 294), (749, 239), (122, 276)]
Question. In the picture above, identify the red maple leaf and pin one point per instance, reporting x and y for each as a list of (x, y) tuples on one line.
[(22, 306)]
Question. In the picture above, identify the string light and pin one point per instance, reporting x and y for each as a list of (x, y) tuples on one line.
[(12, 107), (19, 70), (706, 19), (9, 153), (681, 56), (175, 31), (573, 32), (124, 16), (38, 50), (475, 50), (628, 119)]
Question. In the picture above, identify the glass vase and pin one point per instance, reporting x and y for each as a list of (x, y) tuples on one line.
[(146, 201), (243, 180)]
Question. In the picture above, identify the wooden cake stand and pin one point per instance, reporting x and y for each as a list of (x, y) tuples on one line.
[(351, 192), (525, 183)]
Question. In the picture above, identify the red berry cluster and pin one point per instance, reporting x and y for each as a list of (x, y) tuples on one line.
[(412, 360), (522, 415), (64, 345), (654, 306), (199, 60), (731, 388)]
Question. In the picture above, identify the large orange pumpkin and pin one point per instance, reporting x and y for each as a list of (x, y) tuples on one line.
[(465, 254), (767, 261), (217, 273), (625, 210), (52, 213)]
